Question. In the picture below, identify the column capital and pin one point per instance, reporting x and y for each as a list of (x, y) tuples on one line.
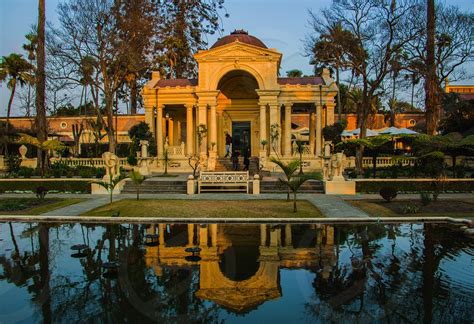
[(287, 104), (161, 107)]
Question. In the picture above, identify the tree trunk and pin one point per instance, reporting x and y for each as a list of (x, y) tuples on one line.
[(432, 103), (133, 97), (110, 122), (294, 202), (339, 108), (9, 109), (41, 124)]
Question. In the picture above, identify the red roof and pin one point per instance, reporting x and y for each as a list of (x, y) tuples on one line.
[(176, 83), (301, 81), (241, 36), (466, 96)]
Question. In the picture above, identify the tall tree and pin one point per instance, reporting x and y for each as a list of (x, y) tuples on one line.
[(376, 28), (432, 103), (182, 32), (41, 124), (14, 69)]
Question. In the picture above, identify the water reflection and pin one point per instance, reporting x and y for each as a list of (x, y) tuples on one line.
[(381, 273)]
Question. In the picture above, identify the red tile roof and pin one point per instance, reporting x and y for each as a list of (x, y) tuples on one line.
[(176, 83), (301, 81)]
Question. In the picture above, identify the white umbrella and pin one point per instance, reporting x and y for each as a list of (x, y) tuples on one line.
[(369, 132)]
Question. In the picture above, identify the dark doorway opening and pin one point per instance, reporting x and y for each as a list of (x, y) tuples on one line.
[(241, 138)]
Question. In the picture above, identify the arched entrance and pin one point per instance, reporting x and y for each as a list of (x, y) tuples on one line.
[(238, 105)]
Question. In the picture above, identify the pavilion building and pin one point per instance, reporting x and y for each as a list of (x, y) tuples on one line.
[(238, 91)]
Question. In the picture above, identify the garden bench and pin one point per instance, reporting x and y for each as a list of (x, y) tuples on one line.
[(223, 181)]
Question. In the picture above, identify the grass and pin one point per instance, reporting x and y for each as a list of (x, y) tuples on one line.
[(33, 206), (207, 208), (441, 208)]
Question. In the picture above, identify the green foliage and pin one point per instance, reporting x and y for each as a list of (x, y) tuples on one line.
[(80, 186), (41, 192), (333, 132), (13, 163), (294, 182), (141, 132), (459, 115), (410, 186), (295, 73), (425, 198), (25, 172), (137, 179), (132, 160), (110, 185), (388, 193), (410, 208), (15, 204)]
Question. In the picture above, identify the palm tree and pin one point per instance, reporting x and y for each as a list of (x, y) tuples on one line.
[(16, 70), (46, 146), (292, 182), (288, 169), (137, 179), (41, 123)]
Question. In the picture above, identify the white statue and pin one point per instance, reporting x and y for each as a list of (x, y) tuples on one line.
[(112, 165), (338, 162)]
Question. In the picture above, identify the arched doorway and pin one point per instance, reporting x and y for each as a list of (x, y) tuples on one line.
[(238, 106)]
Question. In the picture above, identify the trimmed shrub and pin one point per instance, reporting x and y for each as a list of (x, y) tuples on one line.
[(25, 172), (388, 193), (13, 163), (411, 186), (132, 160), (41, 192), (425, 198), (52, 185)]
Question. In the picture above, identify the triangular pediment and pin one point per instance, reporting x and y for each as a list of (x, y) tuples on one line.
[(237, 50)]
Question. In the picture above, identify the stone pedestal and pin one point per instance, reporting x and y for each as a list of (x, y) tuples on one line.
[(144, 167), (211, 162), (256, 185), (340, 187), (191, 185)]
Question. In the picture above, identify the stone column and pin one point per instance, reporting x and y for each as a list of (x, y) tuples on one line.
[(263, 127), (287, 134), (214, 235), (150, 118), (190, 234), (203, 121), (318, 130), (161, 233), (203, 235), (275, 120), (263, 235), (159, 130), (213, 127), (189, 130), (288, 240), (312, 126)]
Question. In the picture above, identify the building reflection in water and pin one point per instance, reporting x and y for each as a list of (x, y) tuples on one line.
[(239, 267)]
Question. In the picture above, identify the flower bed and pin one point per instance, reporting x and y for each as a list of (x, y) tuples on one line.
[(414, 185), (53, 185)]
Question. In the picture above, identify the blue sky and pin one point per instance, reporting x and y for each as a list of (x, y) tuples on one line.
[(280, 24)]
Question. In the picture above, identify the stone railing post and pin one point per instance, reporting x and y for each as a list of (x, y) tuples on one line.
[(190, 185), (256, 185)]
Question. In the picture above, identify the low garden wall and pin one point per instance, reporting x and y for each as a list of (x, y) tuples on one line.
[(53, 185), (414, 185)]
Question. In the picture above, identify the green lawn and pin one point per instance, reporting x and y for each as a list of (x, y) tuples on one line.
[(441, 208), (33, 206), (207, 208)]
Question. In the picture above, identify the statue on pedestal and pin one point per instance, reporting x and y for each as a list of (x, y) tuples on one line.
[(112, 165), (338, 163)]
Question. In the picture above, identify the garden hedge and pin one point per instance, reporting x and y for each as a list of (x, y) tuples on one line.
[(411, 186), (82, 186)]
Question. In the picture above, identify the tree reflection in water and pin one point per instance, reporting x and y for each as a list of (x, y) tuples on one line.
[(381, 273)]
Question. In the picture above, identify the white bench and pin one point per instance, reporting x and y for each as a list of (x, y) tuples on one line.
[(223, 181)]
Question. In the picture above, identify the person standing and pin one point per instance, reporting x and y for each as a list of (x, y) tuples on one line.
[(235, 160), (228, 143)]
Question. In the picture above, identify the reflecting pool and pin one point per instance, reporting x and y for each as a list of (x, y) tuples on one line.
[(234, 273)]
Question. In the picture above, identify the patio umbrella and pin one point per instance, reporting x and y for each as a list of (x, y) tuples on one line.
[(404, 131), (390, 130), (370, 132)]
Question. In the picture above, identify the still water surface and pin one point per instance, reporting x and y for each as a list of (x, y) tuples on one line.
[(407, 273)]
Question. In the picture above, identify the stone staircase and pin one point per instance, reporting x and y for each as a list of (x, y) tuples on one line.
[(225, 164), (272, 185), (156, 186)]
